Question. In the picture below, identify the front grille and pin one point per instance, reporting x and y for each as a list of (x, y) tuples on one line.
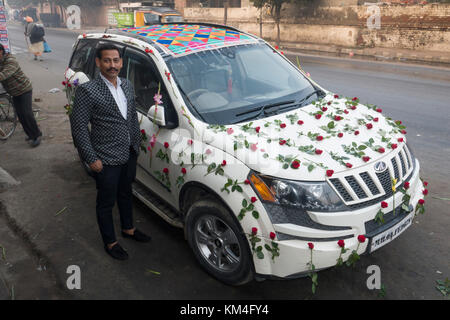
[(368, 187)]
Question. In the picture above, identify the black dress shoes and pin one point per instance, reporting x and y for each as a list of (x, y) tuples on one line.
[(138, 236), (117, 252)]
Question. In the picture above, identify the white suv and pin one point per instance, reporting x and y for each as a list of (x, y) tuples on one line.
[(259, 164)]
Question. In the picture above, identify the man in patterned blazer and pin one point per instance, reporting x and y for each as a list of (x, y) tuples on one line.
[(111, 146)]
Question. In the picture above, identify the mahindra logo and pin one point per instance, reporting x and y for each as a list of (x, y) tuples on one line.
[(380, 166)]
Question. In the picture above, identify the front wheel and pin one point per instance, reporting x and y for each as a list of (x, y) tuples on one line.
[(218, 242), (8, 117)]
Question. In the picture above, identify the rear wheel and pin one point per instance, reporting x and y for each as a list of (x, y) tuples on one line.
[(218, 242), (8, 117)]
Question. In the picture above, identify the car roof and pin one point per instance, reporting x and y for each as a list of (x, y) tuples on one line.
[(178, 39)]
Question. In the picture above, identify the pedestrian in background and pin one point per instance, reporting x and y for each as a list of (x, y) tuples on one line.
[(35, 32), (111, 146), (17, 84)]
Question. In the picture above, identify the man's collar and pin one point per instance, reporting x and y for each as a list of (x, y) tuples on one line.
[(109, 82)]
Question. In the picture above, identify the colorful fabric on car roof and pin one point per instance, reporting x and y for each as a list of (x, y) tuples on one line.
[(183, 38)]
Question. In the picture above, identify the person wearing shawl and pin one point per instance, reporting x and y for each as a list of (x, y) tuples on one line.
[(36, 44)]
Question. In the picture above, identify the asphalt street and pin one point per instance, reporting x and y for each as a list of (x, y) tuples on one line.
[(52, 179)]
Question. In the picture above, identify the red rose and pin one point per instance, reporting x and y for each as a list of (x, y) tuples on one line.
[(166, 170), (341, 243), (353, 107), (340, 134), (318, 151), (361, 238), (230, 130), (346, 111), (257, 129), (398, 122), (319, 138), (282, 142), (254, 147), (63, 83), (381, 150), (166, 145), (183, 170), (69, 85), (406, 185), (224, 163), (400, 139), (300, 122), (421, 202), (190, 142), (375, 119), (366, 158), (384, 204), (425, 183), (330, 173), (208, 151), (369, 126), (142, 131), (324, 109), (318, 116), (348, 165), (393, 146), (354, 99), (337, 118), (379, 110), (311, 245), (403, 131), (84, 35), (425, 192), (253, 199), (247, 181), (295, 164), (356, 132), (272, 235), (283, 125), (254, 231), (336, 96), (329, 103)]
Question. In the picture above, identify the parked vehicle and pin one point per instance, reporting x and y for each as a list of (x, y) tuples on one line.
[(153, 15), (253, 159)]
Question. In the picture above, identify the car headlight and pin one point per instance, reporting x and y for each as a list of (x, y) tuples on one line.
[(313, 196)]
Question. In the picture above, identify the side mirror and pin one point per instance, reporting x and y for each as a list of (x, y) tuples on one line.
[(156, 115)]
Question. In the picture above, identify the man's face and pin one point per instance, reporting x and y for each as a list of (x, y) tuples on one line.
[(109, 64)]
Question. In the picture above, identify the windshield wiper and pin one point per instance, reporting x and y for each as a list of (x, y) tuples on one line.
[(302, 101), (262, 110)]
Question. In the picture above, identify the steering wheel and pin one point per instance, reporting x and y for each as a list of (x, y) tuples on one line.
[(196, 93)]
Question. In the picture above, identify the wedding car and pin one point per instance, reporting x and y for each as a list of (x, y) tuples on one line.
[(269, 174)]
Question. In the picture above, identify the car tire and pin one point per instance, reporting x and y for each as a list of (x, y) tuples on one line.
[(218, 242)]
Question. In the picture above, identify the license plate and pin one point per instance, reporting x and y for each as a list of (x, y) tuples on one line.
[(390, 234)]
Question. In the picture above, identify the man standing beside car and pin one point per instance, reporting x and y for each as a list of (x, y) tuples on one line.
[(111, 146)]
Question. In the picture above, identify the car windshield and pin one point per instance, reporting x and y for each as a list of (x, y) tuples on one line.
[(173, 18), (232, 84)]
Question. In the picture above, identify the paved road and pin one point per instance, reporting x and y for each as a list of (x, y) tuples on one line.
[(410, 265)]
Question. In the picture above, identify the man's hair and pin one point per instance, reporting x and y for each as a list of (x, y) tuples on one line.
[(103, 47), (2, 49)]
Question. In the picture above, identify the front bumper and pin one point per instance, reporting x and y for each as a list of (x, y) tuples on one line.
[(327, 228)]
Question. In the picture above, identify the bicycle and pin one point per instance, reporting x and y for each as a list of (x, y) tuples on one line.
[(8, 116)]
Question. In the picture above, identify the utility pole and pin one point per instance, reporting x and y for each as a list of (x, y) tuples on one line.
[(225, 14)]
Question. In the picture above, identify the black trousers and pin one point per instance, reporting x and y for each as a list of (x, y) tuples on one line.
[(24, 111), (114, 184)]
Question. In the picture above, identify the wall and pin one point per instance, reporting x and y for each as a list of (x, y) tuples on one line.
[(425, 27)]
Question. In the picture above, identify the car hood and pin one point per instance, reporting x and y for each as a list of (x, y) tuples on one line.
[(331, 135)]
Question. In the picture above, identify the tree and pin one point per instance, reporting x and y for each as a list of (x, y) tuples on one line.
[(275, 10)]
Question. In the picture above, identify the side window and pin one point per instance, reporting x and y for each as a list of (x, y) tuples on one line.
[(83, 56), (141, 71), (150, 18)]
